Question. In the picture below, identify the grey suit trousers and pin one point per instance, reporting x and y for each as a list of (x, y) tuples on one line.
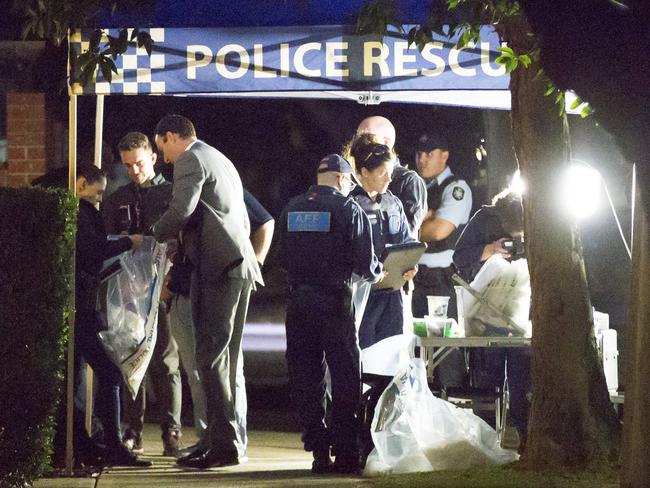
[(219, 312)]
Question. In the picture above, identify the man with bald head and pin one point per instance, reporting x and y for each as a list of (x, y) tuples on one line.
[(406, 184)]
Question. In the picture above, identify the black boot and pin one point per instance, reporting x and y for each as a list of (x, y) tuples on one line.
[(322, 462)]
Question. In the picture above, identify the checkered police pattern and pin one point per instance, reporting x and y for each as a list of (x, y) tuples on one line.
[(136, 71)]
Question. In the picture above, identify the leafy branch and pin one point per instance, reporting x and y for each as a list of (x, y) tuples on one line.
[(376, 18), (105, 58), (53, 19)]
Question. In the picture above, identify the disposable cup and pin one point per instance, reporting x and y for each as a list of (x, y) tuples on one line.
[(438, 306), (420, 327)]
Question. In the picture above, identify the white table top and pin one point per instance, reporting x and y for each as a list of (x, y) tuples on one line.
[(488, 341)]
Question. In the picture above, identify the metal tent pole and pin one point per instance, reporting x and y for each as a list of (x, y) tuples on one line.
[(97, 159), (72, 179)]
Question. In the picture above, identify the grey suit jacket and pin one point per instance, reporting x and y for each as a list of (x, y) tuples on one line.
[(208, 206)]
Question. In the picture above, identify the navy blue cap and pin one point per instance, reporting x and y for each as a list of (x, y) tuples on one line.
[(334, 162), (430, 141)]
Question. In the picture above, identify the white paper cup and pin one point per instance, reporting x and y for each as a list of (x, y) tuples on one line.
[(438, 306)]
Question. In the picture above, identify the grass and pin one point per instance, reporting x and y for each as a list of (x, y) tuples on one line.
[(508, 476)]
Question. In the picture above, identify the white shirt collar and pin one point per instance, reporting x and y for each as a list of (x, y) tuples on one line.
[(191, 144)]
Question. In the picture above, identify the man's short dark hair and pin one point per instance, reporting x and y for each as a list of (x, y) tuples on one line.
[(176, 124), (134, 140), (90, 172)]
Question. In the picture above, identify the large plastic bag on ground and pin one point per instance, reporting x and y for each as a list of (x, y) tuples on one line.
[(132, 298), (414, 431), (506, 286)]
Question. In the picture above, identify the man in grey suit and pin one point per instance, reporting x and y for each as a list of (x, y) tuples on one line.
[(207, 207)]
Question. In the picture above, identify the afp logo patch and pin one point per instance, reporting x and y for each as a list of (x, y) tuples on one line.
[(458, 193)]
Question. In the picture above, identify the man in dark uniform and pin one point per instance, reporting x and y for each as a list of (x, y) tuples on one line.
[(450, 203), (324, 238), (488, 233), (133, 208)]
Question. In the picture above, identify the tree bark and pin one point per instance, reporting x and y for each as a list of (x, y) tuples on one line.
[(608, 65), (636, 427), (572, 423)]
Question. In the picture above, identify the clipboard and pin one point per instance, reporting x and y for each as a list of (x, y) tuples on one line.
[(398, 259)]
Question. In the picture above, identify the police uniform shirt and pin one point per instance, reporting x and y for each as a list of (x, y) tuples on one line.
[(409, 187), (455, 207), (483, 228), (257, 214), (324, 238), (386, 215)]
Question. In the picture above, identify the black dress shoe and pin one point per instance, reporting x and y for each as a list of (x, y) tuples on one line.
[(121, 456), (210, 459), (196, 453), (322, 463), (347, 465)]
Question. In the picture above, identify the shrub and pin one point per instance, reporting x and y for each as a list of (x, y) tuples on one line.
[(36, 268)]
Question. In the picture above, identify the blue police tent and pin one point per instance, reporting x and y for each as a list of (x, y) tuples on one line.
[(302, 49), (286, 49)]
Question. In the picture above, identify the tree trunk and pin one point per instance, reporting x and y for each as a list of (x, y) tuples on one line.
[(636, 426), (617, 88), (572, 422)]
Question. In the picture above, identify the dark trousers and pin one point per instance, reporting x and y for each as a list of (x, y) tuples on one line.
[(321, 330), (219, 312), (109, 378), (382, 318), (452, 371), (165, 375)]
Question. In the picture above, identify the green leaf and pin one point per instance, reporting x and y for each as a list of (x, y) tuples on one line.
[(94, 40), (107, 67), (506, 50), (525, 60), (549, 91), (576, 103), (412, 36), (586, 111), (144, 39), (88, 71)]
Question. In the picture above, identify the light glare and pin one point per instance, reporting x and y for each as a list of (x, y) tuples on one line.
[(517, 183), (581, 190)]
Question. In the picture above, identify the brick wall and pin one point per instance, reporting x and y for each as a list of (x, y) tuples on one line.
[(27, 129)]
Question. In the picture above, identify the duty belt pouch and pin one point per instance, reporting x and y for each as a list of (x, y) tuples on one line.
[(180, 274)]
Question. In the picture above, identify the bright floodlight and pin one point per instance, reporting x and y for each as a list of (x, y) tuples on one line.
[(581, 190), (517, 184)]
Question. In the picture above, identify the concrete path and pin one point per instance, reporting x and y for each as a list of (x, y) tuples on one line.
[(275, 459)]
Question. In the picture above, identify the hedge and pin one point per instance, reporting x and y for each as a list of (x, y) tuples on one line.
[(37, 230)]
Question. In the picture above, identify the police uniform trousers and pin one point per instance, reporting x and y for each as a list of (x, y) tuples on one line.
[(219, 310), (164, 373), (321, 330), (452, 371)]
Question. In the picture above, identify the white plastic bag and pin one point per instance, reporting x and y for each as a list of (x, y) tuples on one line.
[(414, 431), (132, 298)]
